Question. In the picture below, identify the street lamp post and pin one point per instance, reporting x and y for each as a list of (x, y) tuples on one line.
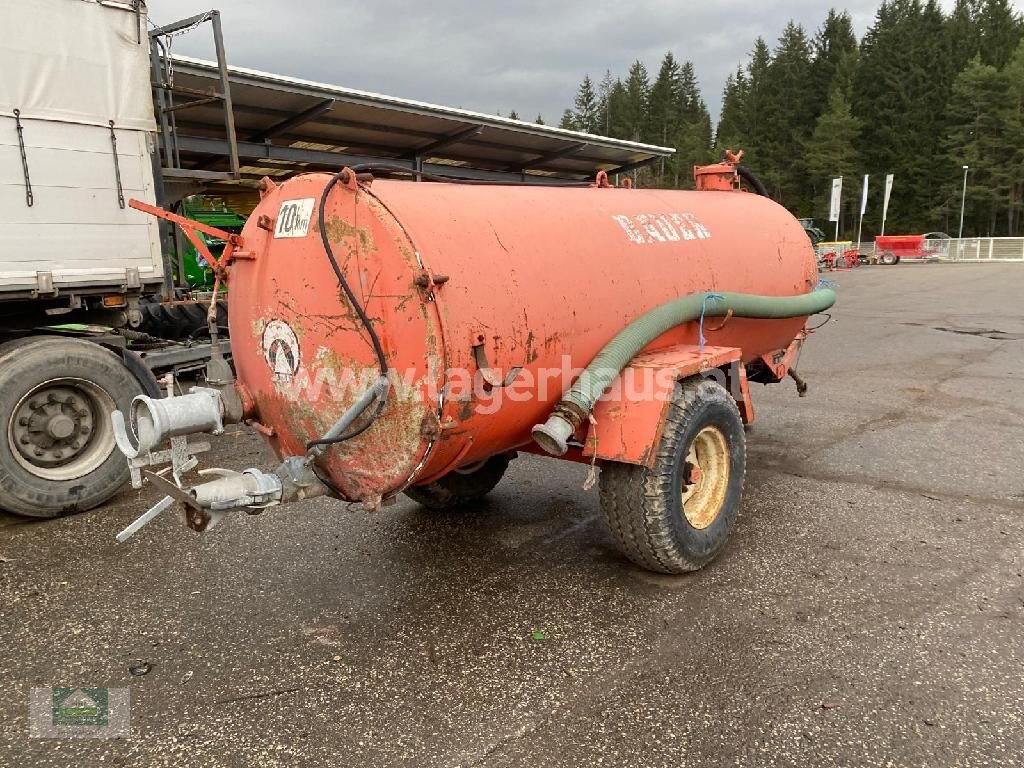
[(963, 202)]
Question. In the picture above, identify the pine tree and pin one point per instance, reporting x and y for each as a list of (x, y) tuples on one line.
[(921, 95), (1012, 117), (731, 130), (585, 115), (976, 140), (962, 34), (604, 92), (663, 118), (999, 32), (693, 137), (637, 89), (901, 88), (835, 48), (568, 121), (619, 126), (830, 151), (662, 113), (513, 115), (788, 118), (539, 120), (755, 107)]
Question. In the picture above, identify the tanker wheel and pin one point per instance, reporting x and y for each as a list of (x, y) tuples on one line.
[(461, 486), (57, 450), (676, 516), (889, 258)]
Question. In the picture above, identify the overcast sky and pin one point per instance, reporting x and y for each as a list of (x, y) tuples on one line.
[(493, 55)]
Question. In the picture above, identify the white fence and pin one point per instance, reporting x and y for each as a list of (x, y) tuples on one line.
[(986, 249), (967, 249)]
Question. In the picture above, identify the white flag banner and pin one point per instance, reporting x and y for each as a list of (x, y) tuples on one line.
[(864, 197), (837, 192), (888, 191)]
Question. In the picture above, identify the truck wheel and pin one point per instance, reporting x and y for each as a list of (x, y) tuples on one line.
[(461, 486), (57, 450), (676, 516), (179, 320), (889, 258)]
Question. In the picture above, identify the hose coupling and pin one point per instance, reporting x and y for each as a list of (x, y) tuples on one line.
[(553, 435)]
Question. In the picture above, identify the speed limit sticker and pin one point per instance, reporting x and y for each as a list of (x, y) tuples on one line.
[(293, 217)]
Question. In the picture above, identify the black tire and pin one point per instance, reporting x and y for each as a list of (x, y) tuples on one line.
[(889, 258), (179, 320), (644, 507), (461, 486), (82, 469)]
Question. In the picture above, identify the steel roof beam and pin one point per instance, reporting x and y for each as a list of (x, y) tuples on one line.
[(446, 141), (292, 122), (547, 157), (266, 151)]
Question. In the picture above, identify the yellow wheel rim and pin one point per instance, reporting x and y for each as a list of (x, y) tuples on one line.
[(706, 477)]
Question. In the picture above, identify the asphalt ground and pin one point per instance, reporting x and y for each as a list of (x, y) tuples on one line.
[(868, 609)]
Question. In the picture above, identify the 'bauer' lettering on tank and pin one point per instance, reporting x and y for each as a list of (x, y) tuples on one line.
[(645, 228)]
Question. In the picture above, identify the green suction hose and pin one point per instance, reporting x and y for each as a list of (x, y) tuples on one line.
[(579, 401)]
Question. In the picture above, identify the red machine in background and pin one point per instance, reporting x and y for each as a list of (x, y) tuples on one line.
[(892, 249)]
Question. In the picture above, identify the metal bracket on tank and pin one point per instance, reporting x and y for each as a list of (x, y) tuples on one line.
[(491, 375)]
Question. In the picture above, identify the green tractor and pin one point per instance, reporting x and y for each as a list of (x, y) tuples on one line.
[(813, 231), (192, 269)]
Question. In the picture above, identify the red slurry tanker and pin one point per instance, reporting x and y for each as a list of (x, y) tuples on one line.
[(399, 337)]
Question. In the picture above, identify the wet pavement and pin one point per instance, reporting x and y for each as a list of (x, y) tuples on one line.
[(868, 610)]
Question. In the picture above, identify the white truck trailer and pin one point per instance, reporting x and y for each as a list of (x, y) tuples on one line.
[(76, 137)]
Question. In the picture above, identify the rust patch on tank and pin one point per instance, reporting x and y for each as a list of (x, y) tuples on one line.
[(531, 349), (338, 230)]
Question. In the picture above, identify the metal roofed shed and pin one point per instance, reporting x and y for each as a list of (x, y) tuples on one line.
[(285, 125)]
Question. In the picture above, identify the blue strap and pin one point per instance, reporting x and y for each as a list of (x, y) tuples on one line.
[(703, 308)]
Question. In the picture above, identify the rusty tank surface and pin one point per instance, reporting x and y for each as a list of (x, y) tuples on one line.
[(391, 335)]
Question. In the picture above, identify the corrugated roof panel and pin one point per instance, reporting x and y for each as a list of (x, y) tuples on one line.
[(378, 126)]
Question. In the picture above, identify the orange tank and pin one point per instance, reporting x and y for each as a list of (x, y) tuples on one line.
[(485, 299)]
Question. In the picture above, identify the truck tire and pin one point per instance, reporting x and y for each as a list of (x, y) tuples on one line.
[(461, 486), (889, 258), (179, 320), (57, 450), (676, 516)]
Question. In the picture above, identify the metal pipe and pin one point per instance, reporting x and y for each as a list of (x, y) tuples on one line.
[(963, 203), (379, 389), (153, 421)]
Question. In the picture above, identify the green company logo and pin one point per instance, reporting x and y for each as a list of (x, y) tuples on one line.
[(80, 706)]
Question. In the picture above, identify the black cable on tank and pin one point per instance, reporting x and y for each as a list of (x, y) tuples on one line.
[(378, 348)]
